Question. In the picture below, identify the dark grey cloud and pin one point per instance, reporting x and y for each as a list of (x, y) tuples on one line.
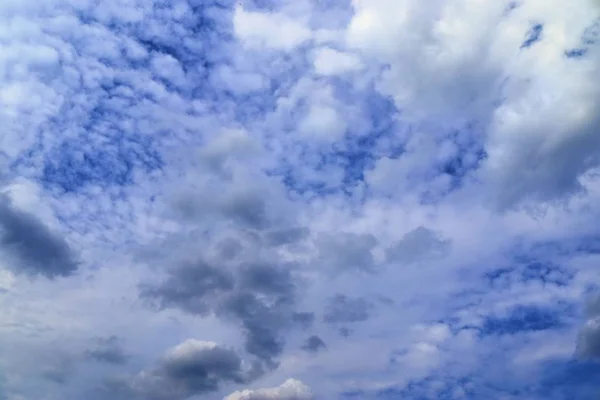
[(268, 279), (588, 344), (192, 368), (343, 310), (417, 245), (303, 319), (31, 246), (261, 322), (260, 297), (107, 350), (345, 332), (314, 344)]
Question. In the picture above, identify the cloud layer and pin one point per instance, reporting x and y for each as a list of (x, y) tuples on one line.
[(201, 199)]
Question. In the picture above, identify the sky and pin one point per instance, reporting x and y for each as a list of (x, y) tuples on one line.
[(299, 199)]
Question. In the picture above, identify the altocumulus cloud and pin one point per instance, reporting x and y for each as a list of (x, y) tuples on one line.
[(205, 199)]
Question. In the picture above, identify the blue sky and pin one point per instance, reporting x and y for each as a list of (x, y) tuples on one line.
[(299, 199)]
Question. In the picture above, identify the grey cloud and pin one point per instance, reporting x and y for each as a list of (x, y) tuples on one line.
[(107, 350), (261, 322), (190, 287), (247, 209), (593, 307), (348, 251), (314, 344), (343, 309), (230, 248), (32, 247), (192, 368), (588, 344), (286, 236), (258, 296), (345, 332), (417, 245), (303, 319), (268, 279)]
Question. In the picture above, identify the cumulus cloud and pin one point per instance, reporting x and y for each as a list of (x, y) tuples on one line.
[(291, 389), (190, 368)]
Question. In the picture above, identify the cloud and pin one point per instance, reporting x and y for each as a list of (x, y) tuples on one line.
[(267, 173), (417, 245), (328, 61), (348, 252), (314, 344), (343, 310), (291, 389), (107, 350), (31, 247), (271, 30), (588, 344), (260, 297), (190, 368)]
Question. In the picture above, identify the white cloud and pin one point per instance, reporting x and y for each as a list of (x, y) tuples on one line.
[(291, 389), (270, 30), (328, 61)]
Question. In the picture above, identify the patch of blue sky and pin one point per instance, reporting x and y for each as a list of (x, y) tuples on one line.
[(524, 319), (76, 163), (432, 387), (526, 271), (570, 380), (576, 53), (557, 380), (589, 38), (534, 35), (362, 144)]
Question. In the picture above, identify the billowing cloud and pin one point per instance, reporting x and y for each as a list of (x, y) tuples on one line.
[(190, 368)]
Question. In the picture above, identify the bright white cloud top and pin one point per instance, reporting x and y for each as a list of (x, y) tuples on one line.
[(299, 199)]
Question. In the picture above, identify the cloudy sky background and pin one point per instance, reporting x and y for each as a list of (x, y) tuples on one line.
[(299, 199)]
